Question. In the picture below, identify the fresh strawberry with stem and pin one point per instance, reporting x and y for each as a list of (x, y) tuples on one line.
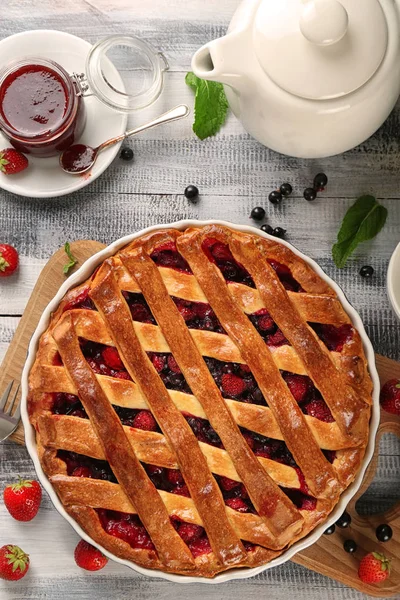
[(22, 499), (88, 557), (14, 563), (8, 260), (12, 161), (390, 396), (374, 568)]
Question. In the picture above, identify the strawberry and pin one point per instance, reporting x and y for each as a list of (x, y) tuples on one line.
[(221, 252), (228, 484), (158, 361), (14, 563), (145, 420), (200, 546), (175, 478), (373, 568), (390, 396), (12, 161), (318, 409), (190, 532), (265, 323), (22, 499), (8, 260), (82, 472), (277, 339), (237, 504), (298, 385), (112, 358), (232, 385), (88, 557), (173, 365)]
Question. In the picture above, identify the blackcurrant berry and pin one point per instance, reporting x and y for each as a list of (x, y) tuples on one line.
[(286, 189), (366, 271), (320, 181), (191, 192), (275, 197), (279, 232), (266, 228), (344, 521), (330, 530), (310, 194), (126, 154), (258, 213), (350, 546), (384, 533)]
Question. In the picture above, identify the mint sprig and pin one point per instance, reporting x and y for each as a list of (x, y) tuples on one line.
[(210, 106), (72, 260), (362, 222)]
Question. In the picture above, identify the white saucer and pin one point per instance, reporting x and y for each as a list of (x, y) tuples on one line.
[(44, 177)]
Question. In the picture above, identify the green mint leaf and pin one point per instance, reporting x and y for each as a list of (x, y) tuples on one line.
[(210, 106), (362, 222), (72, 260)]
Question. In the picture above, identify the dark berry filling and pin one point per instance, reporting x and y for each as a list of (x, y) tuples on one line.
[(167, 255), (104, 360), (169, 480), (79, 465), (81, 301), (68, 404), (267, 328), (333, 337), (285, 276), (139, 308), (330, 455), (235, 495), (270, 448), (198, 315), (300, 500), (203, 431), (139, 419), (235, 381), (308, 397), (169, 371), (220, 254)]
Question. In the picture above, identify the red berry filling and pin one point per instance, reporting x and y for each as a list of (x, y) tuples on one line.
[(139, 308), (285, 276), (169, 371), (235, 381), (104, 360), (82, 300), (308, 397), (139, 419), (126, 527), (167, 255), (267, 328), (169, 480), (203, 431), (272, 449), (334, 337), (198, 315), (318, 409), (300, 500), (220, 254)]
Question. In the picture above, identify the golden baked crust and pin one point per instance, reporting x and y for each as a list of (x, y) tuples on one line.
[(281, 498)]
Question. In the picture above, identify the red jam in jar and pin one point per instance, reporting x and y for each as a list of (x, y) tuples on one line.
[(40, 110)]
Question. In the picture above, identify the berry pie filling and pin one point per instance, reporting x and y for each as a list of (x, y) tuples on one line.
[(198, 315), (82, 300), (220, 254), (167, 255), (139, 308), (334, 337), (308, 396), (268, 329), (235, 381)]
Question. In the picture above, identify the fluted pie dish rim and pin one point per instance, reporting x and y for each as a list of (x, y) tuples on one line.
[(84, 273)]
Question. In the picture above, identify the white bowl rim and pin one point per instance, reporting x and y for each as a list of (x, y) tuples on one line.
[(394, 301), (79, 277)]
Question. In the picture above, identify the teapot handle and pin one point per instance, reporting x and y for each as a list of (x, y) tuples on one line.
[(219, 61)]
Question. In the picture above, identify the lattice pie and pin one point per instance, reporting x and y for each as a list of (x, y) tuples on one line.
[(201, 402)]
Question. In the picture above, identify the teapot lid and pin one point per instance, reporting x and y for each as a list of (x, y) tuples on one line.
[(320, 49)]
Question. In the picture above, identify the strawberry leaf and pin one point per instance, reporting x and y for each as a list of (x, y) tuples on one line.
[(210, 105), (397, 386), (362, 222), (72, 260)]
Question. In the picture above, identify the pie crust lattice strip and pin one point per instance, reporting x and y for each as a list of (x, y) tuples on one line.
[(201, 402)]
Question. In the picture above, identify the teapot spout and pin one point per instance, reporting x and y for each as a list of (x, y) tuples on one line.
[(217, 61)]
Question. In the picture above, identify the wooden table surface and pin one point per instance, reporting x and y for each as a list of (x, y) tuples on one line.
[(233, 173)]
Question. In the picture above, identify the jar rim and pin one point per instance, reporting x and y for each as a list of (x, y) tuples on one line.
[(121, 100), (71, 108)]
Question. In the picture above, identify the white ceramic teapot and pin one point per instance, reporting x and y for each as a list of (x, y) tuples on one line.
[(308, 78)]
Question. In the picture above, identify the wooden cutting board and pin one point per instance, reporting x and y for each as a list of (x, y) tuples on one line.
[(327, 555)]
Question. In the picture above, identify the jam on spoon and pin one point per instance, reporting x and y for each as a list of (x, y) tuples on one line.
[(79, 158)]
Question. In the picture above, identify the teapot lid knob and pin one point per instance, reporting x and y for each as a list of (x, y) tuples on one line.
[(324, 22)]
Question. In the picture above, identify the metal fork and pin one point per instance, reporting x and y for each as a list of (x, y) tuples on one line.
[(8, 423)]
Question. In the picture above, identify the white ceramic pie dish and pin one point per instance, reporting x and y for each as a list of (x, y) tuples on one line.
[(393, 281), (81, 275)]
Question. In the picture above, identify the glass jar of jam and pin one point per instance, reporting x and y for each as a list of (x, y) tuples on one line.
[(42, 107)]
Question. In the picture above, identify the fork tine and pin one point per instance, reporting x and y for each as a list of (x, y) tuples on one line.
[(17, 414), (4, 397), (13, 401)]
